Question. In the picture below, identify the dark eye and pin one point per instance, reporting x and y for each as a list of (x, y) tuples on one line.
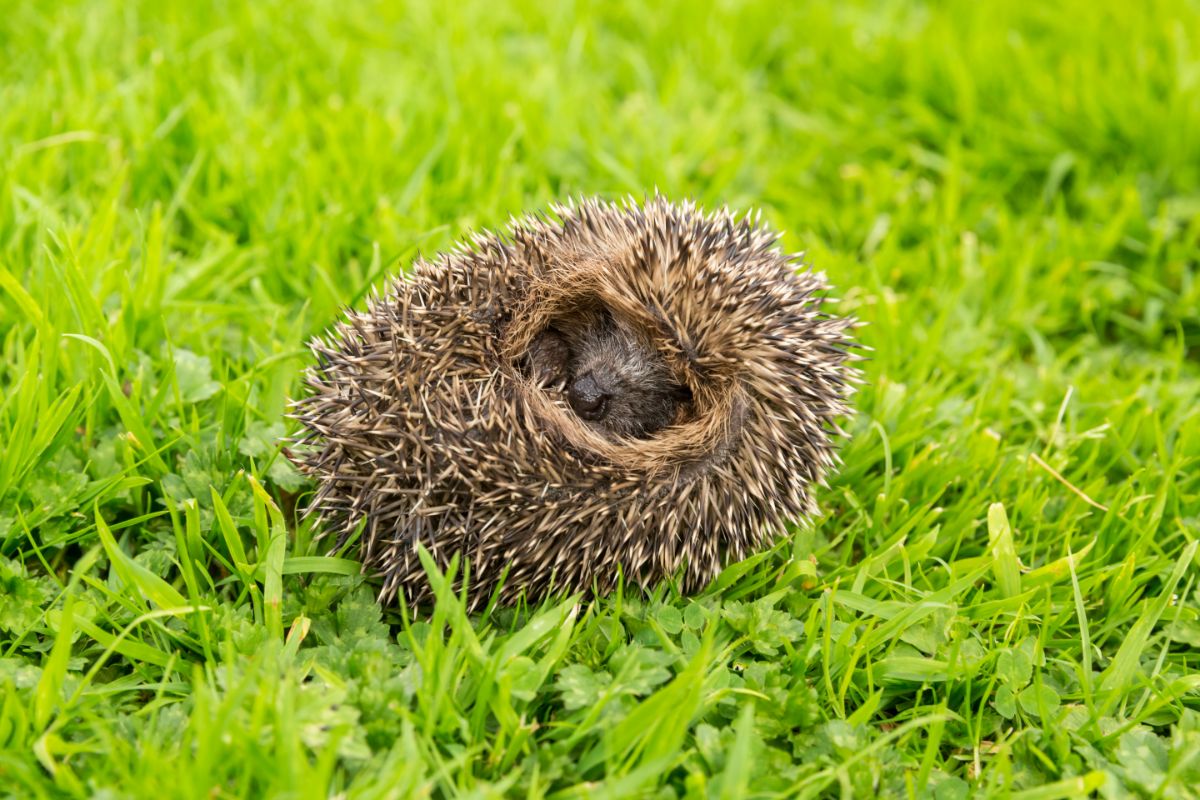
[(588, 399)]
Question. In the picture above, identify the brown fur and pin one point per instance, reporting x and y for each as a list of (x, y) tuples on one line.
[(430, 419)]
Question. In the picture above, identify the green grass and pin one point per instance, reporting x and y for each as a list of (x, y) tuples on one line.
[(1001, 596)]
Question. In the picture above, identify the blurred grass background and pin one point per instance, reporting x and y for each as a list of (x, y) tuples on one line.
[(1009, 194)]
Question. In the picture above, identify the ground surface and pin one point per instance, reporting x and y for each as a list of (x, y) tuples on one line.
[(1004, 592)]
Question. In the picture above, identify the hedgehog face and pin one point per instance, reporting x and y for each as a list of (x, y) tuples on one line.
[(611, 377)]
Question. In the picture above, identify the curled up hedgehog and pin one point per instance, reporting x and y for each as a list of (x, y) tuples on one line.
[(643, 391)]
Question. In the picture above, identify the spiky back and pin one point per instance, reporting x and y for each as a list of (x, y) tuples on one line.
[(422, 427)]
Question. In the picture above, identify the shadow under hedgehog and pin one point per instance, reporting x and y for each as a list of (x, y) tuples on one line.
[(614, 389)]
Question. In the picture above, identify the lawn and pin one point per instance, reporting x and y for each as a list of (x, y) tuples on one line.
[(1000, 596)]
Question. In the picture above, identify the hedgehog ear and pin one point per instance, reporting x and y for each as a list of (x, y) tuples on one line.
[(548, 355)]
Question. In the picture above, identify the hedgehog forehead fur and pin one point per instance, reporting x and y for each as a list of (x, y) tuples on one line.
[(459, 410)]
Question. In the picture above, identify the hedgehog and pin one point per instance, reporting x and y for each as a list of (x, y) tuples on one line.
[(603, 394)]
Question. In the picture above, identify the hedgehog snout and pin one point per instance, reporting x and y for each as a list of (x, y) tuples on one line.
[(588, 398)]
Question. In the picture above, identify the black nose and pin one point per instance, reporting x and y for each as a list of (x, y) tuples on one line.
[(587, 398)]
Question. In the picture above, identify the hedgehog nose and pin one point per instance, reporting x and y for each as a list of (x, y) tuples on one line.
[(588, 399)]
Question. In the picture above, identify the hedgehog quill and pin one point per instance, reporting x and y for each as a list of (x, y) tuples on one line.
[(646, 390)]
